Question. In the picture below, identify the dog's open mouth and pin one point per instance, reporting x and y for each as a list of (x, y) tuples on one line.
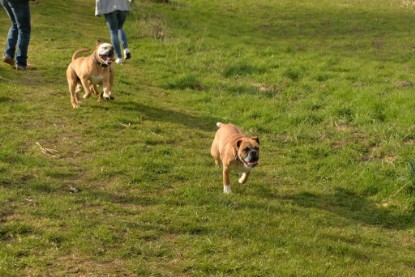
[(251, 164), (108, 59)]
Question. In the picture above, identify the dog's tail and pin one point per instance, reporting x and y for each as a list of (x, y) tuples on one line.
[(219, 124), (83, 50)]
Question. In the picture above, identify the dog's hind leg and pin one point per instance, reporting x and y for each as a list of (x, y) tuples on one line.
[(73, 94), (72, 82)]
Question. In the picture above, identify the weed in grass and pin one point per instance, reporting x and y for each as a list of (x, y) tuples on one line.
[(12, 230), (236, 70), (187, 82), (411, 170), (293, 74)]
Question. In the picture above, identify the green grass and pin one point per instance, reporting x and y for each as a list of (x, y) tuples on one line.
[(132, 190)]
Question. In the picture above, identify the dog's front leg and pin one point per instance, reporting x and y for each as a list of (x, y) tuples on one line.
[(107, 91), (226, 181), (86, 86), (94, 89), (244, 177)]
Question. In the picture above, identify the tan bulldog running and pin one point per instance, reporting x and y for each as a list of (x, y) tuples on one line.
[(88, 72), (235, 151)]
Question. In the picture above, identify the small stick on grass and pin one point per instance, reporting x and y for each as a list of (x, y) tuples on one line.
[(47, 151)]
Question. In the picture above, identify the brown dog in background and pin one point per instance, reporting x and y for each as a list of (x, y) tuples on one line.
[(88, 72), (235, 151)]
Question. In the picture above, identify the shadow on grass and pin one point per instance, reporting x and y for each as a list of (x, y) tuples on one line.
[(165, 115), (353, 207)]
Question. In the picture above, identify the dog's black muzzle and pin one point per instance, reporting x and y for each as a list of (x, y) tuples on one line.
[(253, 155)]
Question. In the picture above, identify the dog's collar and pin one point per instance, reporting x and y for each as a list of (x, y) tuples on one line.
[(98, 62)]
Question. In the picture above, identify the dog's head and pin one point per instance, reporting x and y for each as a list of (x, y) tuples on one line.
[(104, 52), (247, 151)]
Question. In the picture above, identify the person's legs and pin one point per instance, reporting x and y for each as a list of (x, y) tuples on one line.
[(21, 13), (10, 48), (112, 23), (121, 16)]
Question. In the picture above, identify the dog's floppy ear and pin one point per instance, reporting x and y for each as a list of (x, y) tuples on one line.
[(238, 143), (236, 147), (98, 42), (256, 139)]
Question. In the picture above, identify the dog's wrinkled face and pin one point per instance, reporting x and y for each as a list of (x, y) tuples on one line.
[(248, 151), (105, 52)]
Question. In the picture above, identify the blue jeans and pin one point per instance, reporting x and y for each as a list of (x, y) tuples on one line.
[(19, 32), (115, 21)]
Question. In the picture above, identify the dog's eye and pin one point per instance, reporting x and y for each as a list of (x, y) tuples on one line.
[(246, 149)]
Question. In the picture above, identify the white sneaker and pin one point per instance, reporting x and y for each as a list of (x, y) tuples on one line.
[(118, 61), (127, 54)]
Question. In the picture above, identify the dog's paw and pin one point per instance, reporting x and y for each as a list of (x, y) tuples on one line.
[(75, 104), (227, 189), (108, 96)]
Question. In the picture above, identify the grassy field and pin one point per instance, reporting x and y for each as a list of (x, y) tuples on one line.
[(128, 187)]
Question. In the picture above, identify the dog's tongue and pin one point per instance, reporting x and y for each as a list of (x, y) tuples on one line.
[(252, 164)]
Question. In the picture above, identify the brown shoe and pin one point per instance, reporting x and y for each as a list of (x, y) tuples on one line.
[(8, 60), (27, 67)]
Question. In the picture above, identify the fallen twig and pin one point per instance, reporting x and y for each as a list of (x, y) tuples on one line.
[(47, 151), (126, 125)]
